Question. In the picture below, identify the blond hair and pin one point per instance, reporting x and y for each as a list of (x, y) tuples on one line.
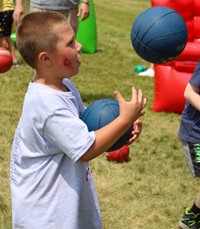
[(37, 33)]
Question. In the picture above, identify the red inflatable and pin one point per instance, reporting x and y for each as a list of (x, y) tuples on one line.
[(171, 78), (119, 155)]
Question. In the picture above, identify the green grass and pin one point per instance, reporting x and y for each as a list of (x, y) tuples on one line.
[(152, 189)]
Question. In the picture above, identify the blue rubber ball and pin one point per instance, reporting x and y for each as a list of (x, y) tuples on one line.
[(99, 114), (159, 34)]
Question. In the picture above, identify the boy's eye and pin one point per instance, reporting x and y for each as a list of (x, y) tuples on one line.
[(71, 42)]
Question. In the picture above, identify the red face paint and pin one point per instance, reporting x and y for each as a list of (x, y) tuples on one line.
[(65, 62)]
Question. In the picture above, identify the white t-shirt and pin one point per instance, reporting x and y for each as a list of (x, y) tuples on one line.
[(50, 188), (54, 4)]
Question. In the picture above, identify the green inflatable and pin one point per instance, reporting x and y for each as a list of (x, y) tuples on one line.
[(87, 32), (13, 37)]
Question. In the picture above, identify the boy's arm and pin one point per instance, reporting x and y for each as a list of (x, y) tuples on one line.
[(109, 134), (18, 11), (105, 138), (191, 94)]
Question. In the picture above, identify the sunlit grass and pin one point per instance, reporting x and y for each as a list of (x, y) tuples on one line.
[(152, 189)]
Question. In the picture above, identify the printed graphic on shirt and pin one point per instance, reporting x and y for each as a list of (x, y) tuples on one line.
[(13, 161), (88, 173)]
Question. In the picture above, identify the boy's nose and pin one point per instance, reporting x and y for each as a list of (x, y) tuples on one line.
[(78, 46)]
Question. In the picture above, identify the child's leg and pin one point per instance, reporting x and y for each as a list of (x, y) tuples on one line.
[(191, 216), (11, 48), (3, 42), (149, 72)]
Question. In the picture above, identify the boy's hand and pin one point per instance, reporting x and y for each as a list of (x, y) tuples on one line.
[(137, 129), (130, 111)]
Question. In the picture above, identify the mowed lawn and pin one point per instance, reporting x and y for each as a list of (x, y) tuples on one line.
[(153, 188)]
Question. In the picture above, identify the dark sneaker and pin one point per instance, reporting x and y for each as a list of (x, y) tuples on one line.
[(189, 220), (197, 226)]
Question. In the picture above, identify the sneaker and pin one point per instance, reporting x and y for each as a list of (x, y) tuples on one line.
[(197, 226), (16, 63), (149, 72), (189, 220)]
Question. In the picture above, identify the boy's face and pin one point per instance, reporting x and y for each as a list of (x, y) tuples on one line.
[(66, 58)]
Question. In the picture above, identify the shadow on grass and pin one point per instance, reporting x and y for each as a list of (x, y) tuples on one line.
[(89, 98)]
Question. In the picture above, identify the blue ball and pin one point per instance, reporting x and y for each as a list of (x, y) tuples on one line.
[(99, 114), (159, 34)]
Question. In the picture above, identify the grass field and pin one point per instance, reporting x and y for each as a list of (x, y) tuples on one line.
[(153, 188)]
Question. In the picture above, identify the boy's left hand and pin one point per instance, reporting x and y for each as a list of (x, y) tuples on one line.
[(137, 129)]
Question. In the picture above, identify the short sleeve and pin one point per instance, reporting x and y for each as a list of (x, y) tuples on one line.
[(68, 133), (195, 79)]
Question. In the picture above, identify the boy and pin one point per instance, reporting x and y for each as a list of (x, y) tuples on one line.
[(189, 133), (51, 180)]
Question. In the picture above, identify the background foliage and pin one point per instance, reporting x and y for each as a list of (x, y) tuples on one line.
[(152, 189)]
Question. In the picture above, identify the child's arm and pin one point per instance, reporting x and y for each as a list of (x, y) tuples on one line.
[(84, 9), (18, 11), (191, 94), (109, 134)]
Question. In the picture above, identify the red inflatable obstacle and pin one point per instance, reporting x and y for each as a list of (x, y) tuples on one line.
[(169, 85), (119, 155), (171, 78)]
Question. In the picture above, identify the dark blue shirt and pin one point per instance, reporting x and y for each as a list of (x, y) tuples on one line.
[(190, 122)]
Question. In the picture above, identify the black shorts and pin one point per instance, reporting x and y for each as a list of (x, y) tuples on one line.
[(192, 155), (6, 22)]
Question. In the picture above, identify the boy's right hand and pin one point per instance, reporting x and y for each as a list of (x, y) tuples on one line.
[(131, 110)]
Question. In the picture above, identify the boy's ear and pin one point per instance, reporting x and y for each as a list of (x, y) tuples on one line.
[(44, 58)]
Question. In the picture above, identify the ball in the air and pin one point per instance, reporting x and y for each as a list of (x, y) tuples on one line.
[(159, 34)]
